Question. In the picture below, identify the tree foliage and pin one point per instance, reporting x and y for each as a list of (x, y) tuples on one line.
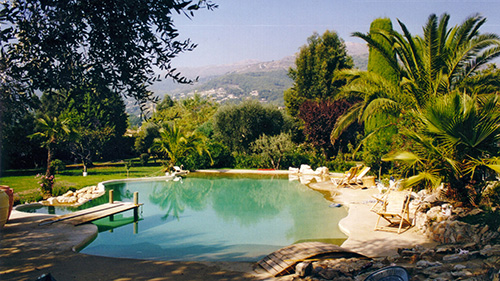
[(96, 113), (18, 151), (377, 63), (237, 126), (145, 137), (187, 114), (315, 68), (380, 128), (439, 103), (319, 119), (456, 143), (51, 131), (273, 149), (428, 66), (173, 144), (54, 45)]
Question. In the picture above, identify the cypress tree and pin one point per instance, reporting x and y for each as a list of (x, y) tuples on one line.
[(379, 144)]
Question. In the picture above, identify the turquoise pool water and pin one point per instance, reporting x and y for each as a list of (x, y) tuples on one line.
[(216, 219)]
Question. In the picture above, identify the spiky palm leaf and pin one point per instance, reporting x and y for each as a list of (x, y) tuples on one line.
[(174, 144), (457, 141)]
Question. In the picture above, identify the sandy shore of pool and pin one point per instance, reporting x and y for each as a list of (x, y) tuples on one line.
[(28, 250), (360, 223)]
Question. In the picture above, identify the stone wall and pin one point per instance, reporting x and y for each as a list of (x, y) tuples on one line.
[(440, 222)]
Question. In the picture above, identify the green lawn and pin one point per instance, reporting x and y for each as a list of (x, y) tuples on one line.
[(26, 187)]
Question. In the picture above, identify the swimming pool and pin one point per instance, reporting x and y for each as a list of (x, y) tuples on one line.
[(216, 219)]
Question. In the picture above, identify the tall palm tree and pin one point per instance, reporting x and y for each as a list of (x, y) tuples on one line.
[(51, 130), (427, 67)]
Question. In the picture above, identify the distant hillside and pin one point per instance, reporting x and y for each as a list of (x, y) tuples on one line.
[(263, 81), (266, 87)]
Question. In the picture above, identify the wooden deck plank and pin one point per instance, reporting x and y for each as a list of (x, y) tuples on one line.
[(272, 267), (91, 214), (276, 262), (282, 261), (80, 212), (101, 214)]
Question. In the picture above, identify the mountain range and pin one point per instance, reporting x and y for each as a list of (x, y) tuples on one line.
[(250, 79)]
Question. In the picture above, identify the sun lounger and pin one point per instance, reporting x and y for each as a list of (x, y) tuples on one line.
[(358, 178), (394, 208), (352, 178), (346, 178)]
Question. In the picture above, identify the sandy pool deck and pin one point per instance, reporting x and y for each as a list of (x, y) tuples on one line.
[(28, 250), (360, 223)]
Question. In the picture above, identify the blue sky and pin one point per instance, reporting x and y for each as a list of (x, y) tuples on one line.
[(267, 30)]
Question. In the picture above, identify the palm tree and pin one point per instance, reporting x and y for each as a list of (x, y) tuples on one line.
[(173, 144), (427, 67), (456, 144), (51, 130)]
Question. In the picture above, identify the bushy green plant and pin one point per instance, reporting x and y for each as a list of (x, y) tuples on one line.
[(339, 165), (221, 155), (58, 165), (144, 158), (59, 190), (295, 159), (273, 148), (238, 126), (455, 144), (247, 161), (302, 154)]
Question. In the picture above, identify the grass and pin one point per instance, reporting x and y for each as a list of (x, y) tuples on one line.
[(27, 189)]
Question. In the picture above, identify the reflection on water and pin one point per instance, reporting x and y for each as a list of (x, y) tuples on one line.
[(218, 218)]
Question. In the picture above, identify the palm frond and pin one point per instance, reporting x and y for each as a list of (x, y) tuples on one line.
[(429, 179), (353, 115), (377, 105), (404, 156)]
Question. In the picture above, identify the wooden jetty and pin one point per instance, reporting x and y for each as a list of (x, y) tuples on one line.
[(97, 212), (282, 261)]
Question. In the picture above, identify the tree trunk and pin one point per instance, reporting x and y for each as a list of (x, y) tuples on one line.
[(48, 172)]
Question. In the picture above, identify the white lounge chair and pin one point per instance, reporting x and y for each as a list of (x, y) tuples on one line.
[(179, 171), (358, 178)]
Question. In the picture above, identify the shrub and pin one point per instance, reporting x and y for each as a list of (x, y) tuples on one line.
[(144, 158), (295, 159), (220, 157), (272, 149), (59, 190), (339, 165), (57, 165), (247, 161)]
